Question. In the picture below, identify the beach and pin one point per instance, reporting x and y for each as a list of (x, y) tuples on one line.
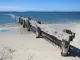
[(40, 30), (19, 44)]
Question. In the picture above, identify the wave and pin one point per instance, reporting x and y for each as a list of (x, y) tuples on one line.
[(9, 25), (14, 17)]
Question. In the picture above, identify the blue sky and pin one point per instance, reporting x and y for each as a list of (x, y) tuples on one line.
[(39, 5)]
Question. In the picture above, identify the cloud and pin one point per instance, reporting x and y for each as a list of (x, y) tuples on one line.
[(12, 8)]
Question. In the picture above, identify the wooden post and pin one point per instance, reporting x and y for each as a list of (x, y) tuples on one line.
[(38, 32), (24, 24), (29, 18), (39, 22), (65, 48), (28, 25), (19, 19)]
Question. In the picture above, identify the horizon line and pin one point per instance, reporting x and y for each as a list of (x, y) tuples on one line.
[(39, 11)]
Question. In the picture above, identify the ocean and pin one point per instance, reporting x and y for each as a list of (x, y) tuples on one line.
[(54, 19), (45, 17)]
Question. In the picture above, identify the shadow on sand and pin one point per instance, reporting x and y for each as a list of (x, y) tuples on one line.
[(74, 51)]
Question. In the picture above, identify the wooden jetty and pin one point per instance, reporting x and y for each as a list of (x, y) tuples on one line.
[(62, 38)]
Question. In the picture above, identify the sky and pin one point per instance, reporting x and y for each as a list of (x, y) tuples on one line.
[(39, 5)]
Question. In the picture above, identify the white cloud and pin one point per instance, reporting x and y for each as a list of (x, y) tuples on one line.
[(12, 8)]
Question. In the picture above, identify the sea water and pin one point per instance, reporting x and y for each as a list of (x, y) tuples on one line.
[(51, 17), (54, 19)]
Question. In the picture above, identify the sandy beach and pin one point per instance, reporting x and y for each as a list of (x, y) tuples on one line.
[(19, 44)]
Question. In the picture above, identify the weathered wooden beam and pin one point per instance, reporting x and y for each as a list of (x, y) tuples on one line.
[(60, 37)]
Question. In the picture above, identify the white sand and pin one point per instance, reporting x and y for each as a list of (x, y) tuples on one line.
[(24, 45), (76, 29)]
